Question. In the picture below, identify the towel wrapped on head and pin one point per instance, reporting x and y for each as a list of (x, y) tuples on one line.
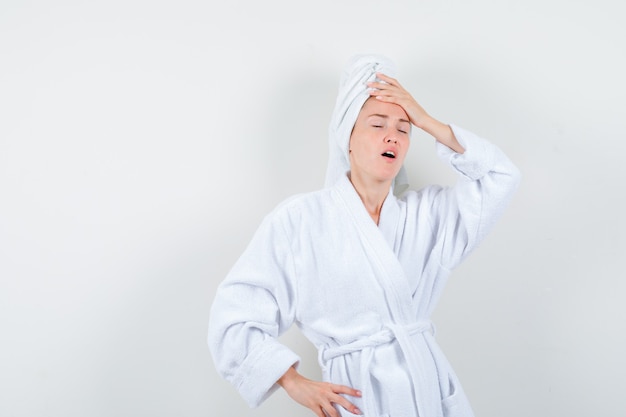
[(353, 92)]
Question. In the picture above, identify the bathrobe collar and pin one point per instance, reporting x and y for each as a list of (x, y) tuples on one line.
[(381, 243)]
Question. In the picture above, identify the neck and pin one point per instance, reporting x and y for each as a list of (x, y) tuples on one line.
[(372, 194)]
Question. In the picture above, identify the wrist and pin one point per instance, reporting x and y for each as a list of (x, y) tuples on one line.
[(288, 377), (442, 133), (429, 124)]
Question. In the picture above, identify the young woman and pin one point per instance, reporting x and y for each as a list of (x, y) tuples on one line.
[(360, 264)]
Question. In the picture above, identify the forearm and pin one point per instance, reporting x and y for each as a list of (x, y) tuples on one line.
[(441, 132)]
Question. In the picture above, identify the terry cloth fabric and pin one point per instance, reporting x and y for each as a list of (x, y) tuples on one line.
[(353, 92), (316, 247)]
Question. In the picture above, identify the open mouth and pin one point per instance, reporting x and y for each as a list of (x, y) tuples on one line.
[(389, 154)]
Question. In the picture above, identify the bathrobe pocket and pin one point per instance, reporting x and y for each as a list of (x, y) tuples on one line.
[(450, 405), (455, 403), (450, 399)]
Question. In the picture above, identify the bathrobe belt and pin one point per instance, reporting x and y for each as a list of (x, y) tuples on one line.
[(420, 364)]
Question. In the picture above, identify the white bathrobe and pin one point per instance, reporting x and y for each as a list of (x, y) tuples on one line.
[(362, 294)]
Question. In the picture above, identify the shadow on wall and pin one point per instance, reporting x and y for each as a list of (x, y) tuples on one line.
[(296, 136)]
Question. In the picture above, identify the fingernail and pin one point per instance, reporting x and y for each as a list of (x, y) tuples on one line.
[(358, 393), (357, 411)]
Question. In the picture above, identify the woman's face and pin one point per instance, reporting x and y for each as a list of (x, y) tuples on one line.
[(379, 141)]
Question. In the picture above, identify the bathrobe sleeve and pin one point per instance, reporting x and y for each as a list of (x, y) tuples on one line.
[(462, 215), (252, 307)]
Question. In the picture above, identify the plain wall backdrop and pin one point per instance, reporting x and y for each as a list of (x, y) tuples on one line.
[(142, 142)]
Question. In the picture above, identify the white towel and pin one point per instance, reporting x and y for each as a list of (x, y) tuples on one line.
[(353, 92)]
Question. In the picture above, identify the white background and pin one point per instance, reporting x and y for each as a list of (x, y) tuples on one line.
[(142, 142)]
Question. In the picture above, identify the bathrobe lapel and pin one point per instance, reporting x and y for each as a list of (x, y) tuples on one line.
[(379, 243)]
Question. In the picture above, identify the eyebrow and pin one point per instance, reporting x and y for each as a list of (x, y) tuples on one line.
[(384, 116)]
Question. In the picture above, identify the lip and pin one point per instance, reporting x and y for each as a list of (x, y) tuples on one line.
[(392, 150)]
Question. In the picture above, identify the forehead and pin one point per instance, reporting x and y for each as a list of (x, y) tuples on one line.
[(374, 106)]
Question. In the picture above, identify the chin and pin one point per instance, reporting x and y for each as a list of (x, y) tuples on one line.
[(386, 178), (389, 176)]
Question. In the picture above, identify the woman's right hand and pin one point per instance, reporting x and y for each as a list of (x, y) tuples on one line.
[(318, 396), (391, 91)]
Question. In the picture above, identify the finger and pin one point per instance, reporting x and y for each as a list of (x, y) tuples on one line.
[(343, 389), (330, 410), (387, 79), (341, 401), (387, 99), (383, 93), (382, 86), (398, 94), (378, 85)]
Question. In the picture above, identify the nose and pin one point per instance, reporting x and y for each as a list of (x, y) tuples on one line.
[(390, 139)]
